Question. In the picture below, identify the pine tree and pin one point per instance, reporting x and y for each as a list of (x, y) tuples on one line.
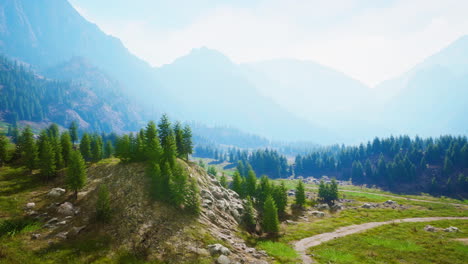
[(108, 149), (28, 148), (165, 129), (270, 222), (179, 136), (178, 185), (192, 198), (264, 190), (96, 148), (154, 173), (212, 170), (103, 208), (123, 148), (169, 148), (248, 219), (153, 146), (76, 174), (53, 131), (280, 196), (223, 181), (46, 157), (166, 177), (67, 147), (73, 132), (251, 184), (85, 147), (448, 166), (237, 184), (187, 144), (300, 194), (3, 150)]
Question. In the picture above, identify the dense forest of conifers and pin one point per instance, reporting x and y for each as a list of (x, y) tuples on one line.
[(434, 165)]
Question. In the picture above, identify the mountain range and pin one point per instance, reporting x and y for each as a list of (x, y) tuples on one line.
[(323, 105)]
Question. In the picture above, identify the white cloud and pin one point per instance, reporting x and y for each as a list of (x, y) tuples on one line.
[(370, 43)]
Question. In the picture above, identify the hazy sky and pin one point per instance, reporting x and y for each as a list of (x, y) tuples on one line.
[(370, 40)]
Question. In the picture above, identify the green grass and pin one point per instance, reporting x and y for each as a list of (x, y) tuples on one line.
[(282, 252), (399, 243)]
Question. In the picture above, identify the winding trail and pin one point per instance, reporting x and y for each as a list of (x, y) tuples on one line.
[(301, 246)]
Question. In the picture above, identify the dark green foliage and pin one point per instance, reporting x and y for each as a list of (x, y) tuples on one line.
[(153, 145), (192, 198), (270, 223), (300, 194), (85, 147), (237, 184), (103, 208), (251, 184), (187, 144), (448, 166), (73, 129), (47, 161), (11, 227), (165, 188), (154, 173), (96, 148), (178, 185), (223, 181), (248, 219), (123, 148), (179, 136), (3, 150), (264, 190), (27, 148), (280, 196), (108, 149), (76, 173), (67, 147), (328, 192), (168, 141), (212, 170)]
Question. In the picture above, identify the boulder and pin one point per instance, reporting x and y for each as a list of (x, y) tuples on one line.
[(56, 192), (429, 228), (323, 207), (367, 206), (223, 260), (390, 202), (30, 205), (337, 207), (62, 235), (35, 236), (317, 213), (76, 230), (66, 209), (218, 249), (451, 229)]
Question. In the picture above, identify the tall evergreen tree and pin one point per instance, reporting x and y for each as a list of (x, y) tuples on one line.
[(123, 148), (300, 194), (178, 185), (237, 184), (154, 173), (47, 161), (76, 173), (166, 177), (223, 181), (96, 148), (108, 149), (179, 136), (85, 147), (192, 198), (3, 150), (66, 146), (187, 144), (170, 149), (264, 190), (251, 184), (280, 196), (164, 128), (73, 132), (103, 208), (153, 146), (28, 148), (270, 222), (248, 219)]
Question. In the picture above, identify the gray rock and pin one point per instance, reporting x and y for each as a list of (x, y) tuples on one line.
[(451, 229), (35, 236), (390, 202), (317, 213), (52, 221), (62, 235), (30, 205), (430, 228), (218, 249), (76, 230), (337, 206), (223, 260), (56, 192), (367, 206), (290, 222), (66, 209), (323, 207)]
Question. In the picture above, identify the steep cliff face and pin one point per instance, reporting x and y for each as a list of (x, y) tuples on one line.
[(147, 229)]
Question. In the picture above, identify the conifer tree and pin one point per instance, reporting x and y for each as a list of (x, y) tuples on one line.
[(280, 196), (153, 146), (28, 148), (85, 147), (53, 131), (264, 190), (103, 208), (73, 132), (166, 177), (251, 184), (76, 173), (46, 157), (178, 185), (108, 149), (67, 147), (248, 219), (270, 222), (237, 184), (300, 194), (170, 149), (154, 173), (96, 148), (164, 129), (3, 150), (223, 181), (192, 198), (179, 136), (187, 144), (123, 148)]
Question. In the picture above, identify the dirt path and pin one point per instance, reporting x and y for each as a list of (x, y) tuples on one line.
[(400, 197), (301, 246)]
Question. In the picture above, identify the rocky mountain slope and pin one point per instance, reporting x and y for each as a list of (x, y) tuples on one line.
[(150, 230)]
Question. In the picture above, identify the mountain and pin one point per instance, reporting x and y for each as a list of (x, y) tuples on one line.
[(431, 98), (207, 87)]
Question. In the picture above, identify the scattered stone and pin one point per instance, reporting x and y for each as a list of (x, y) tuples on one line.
[(317, 213), (66, 209), (52, 221), (218, 249), (76, 230), (56, 192), (30, 206), (199, 251), (290, 222), (429, 228), (35, 236), (223, 260), (62, 235), (367, 206), (62, 222), (451, 229), (390, 202), (337, 207), (323, 207), (212, 216), (68, 217)]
